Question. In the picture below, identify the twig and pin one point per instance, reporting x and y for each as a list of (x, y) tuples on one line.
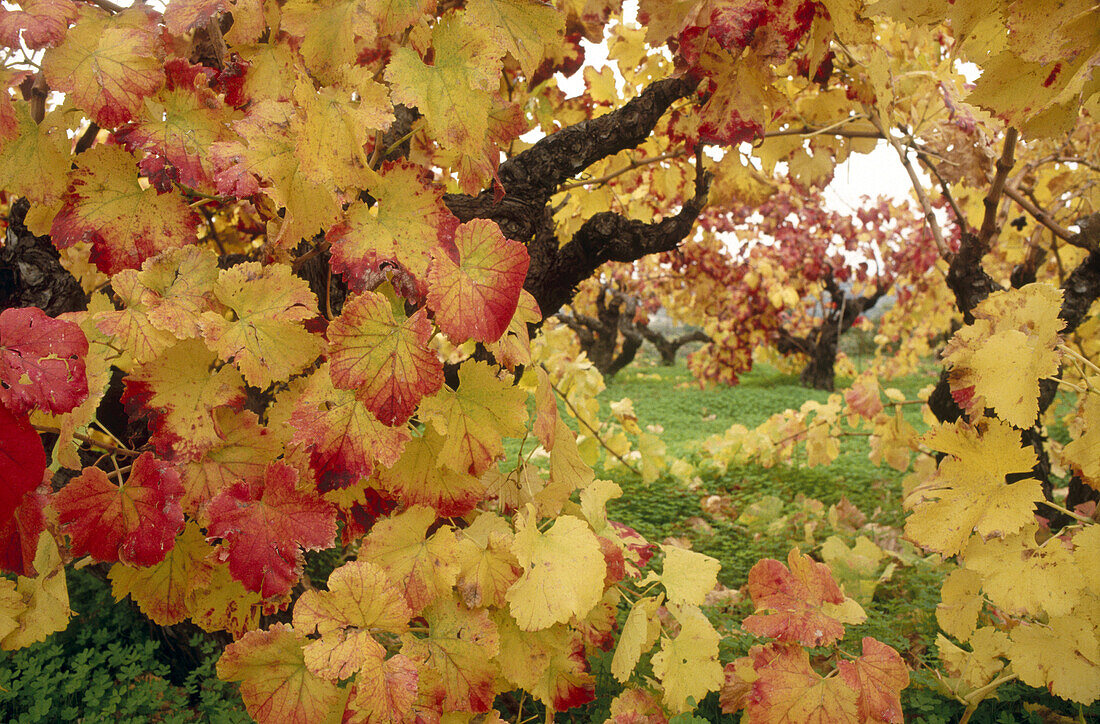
[(213, 231), (315, 251), (1039, 215), (107, 5), (626, 169), (90, 440), (595, 433), (1003, 166), (86, 139), (960, 219), (929, 215)]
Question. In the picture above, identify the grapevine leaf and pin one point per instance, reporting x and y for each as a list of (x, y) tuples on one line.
[(563, 572), (789, 690), (45, 595), (134, 523), (455, 658), (160, 590), (473, 418), (276, 686), (265, 339), (960, 603), (980, 665), (343, 437), (241, 450), (407, 226), (40, 23), (454, 93), (22, 462), (424, 567), (108, 64), (1062, 656), (969, 492), (797, 599), (182, 16), (388, 363), (636, 706), (475, 297), (549, 664), (179, 390), (488, 568), (1083, 452), (125, 223), (878, 676), (526, 29), (333, 33), (36, 162), (41, 362), (386, 690), (688, 576), (640, 632), (998, 361), (265, 527), (418, 479), (687, 665), (218, 602), (1024, 578), (360, 599)]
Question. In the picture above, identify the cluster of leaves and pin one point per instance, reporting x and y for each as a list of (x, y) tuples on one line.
[(277, 398)]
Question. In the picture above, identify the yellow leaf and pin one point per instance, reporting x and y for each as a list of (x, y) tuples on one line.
[(960, 603), (1083, 453), (688, 576), (640, 632), (563, 572), (45, 598), (1062, 656), (687, 665), (982, 663), (969, 492)]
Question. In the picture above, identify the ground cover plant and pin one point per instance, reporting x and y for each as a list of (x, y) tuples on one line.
[(268, 289)]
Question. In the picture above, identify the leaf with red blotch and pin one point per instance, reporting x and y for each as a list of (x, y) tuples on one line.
[(42, 22), (796, 598), (107, 64), (787, 689), (180, 126), (241, 451), (41, 362), (475, 297), (265, 527), (549, 664), (125, 223), (19, 535), (343, 437), (161, 590), (879, 676), (385, 690), (276, 686), (408, 224), (457, 671), (387, 362), (22, 463), (181, 16), (514, 346), (418, 478), (179, 390), (134, 523), (742, 102)]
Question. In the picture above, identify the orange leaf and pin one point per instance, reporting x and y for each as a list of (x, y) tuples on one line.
[(276, 686), (795, 597), (388, 363), (879, 676), (789, 690), (476, 296)]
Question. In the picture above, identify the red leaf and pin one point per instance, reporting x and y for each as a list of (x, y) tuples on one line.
[(22, 465), (19, 536), (475, 297), (41, 362), (265, 529), (795, 596), (879, 676), (43, 23), (135, 523)]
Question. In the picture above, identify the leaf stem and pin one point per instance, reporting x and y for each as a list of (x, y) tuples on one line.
[(116, 449)]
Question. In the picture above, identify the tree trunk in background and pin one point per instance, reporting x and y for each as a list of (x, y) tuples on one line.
[(668, 348), (599, 335)]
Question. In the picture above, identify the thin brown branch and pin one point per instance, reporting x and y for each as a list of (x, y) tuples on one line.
[(626, 169), (107, 5), (1045, 219), (1003, 166), (90, 441), (922, 197), (960, 219), (315, 251), (577, 415)]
